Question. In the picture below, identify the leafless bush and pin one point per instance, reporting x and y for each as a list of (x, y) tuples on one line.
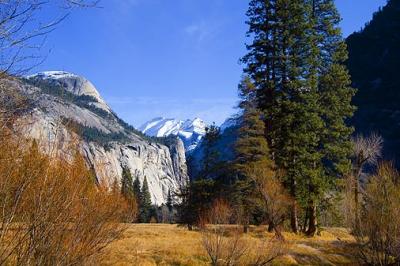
[(378, 236), (275, 199), (221, 248), (52, 212), (265, 253), (366, 151), (226, 245)]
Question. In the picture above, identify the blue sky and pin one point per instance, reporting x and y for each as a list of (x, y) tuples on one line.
[(170, 58)]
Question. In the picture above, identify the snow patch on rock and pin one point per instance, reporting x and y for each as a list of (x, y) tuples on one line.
[(189, 131)]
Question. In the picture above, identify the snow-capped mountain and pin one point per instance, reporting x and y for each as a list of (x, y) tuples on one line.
[(65, 107), (190, 131)]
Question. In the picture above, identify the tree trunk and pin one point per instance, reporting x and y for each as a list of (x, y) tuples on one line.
[(356, 179), (356, 206), (278, 234), (271, 227), (294, 219), (312, 227), (305, 223), (245, 228)]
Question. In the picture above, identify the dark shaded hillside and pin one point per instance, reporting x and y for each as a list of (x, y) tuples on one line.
[(374, 64), (224, 147)]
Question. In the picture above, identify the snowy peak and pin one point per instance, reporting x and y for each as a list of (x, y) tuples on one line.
[(53, 75), (72, 83), (196, 125), (161, 127), (189, 131)]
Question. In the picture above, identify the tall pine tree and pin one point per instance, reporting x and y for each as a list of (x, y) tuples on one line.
[(251, 145), (146, 207), (251, 149), (127, 184), (327, 102), (127, 190), (211, 160), (294, 59), (276, 63), (136, 189)]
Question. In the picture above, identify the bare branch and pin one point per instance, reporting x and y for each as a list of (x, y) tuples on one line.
[(368, 149), (22, 33)]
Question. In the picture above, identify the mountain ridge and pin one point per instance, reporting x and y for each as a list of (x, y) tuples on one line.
[(65, 106), (190, 131)]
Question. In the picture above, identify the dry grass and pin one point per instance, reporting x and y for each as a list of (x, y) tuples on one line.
[(161, 244)]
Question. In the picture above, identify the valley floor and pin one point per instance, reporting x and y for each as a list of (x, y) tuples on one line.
[(162, 244)]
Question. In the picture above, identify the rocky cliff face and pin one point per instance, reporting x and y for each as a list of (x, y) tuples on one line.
[(67, 108)]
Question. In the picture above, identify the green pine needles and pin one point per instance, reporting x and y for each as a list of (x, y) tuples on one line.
[(296, 63)]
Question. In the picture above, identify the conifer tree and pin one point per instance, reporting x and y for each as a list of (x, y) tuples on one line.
[(197, 199), (127, 190), (294, 59), (276, 63), (211, 155), (146, 208), (136, 189), (251, 147), (330, 79), (127, 184)]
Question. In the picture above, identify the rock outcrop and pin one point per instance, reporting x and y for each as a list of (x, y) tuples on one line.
[(66, 108)]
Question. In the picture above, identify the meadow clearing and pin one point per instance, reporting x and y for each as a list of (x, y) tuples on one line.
[(164, 244)]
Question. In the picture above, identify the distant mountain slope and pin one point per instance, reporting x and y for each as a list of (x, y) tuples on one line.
[(374, 64), (224, 146), (64, 105), (190, 131)]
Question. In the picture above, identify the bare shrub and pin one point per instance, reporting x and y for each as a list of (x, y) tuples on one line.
[(366, 151), (275, 199), (225, 243), (222, 249), (378, 236), (265, 253), (52, 212)]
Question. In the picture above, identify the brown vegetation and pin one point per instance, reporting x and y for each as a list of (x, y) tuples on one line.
[(163, 244), (228, 246), (378, 236), (275, 199), (52, 210), (221, 250), (366, 151)]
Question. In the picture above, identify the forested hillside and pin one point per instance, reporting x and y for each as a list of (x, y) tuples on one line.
[(374, 64)]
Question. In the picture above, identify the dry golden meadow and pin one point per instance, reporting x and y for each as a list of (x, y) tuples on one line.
[(162, 244)]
